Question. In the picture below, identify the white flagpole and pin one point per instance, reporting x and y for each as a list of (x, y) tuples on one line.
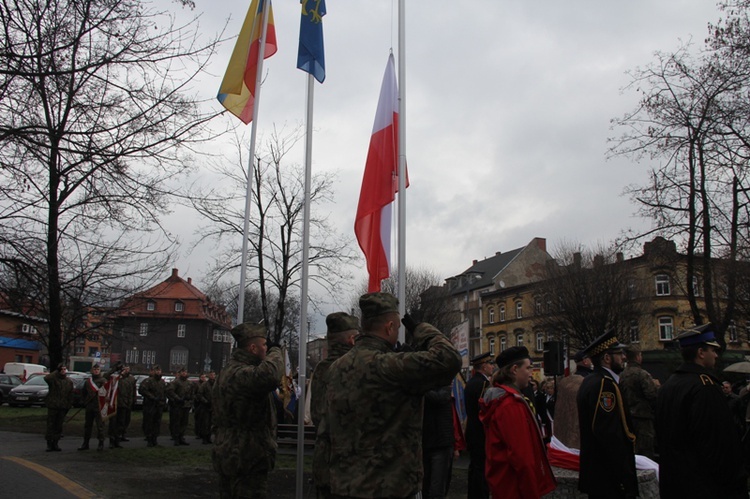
[(249, 188), (401, 162), (303, 332)]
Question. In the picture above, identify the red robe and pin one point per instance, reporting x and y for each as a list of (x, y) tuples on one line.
[(516, 465)]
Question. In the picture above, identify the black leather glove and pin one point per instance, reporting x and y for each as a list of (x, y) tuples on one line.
[(409, 323), (270, 343)]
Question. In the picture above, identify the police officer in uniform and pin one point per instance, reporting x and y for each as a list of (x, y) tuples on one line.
[(342, 331), (607, 442), (698, 443), (483, 367), (244, 415)]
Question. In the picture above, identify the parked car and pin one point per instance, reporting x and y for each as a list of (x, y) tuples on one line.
[(24, 370), (33, 392), (138, 404), (79, 392), (7, 382)]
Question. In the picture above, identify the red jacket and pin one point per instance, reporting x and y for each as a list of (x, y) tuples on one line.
[(516, 465)]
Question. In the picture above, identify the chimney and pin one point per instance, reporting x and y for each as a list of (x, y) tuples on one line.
[(174, 272), (541, 243), (474, 262), (577, 260), (620, 257), (598, 260), (190, 280), (498, 253)]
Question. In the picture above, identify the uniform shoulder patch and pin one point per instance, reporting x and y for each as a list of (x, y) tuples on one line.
[(706, 379), (607, 401)]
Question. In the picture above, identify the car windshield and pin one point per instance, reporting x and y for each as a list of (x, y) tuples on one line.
[(36, 380)]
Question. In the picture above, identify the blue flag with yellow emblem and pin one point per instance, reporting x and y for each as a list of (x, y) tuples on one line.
[(311, 57)]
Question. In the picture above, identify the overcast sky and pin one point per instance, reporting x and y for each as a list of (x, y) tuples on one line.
[(509, 105)]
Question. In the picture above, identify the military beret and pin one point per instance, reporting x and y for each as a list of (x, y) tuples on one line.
[(579, 356), (338, 322), (375, 304), (607, 342), (247, 330), (511, 355), (481, 358), (698, 334)]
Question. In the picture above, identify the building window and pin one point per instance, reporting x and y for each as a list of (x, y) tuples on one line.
[(662, 285), (538, 305), (519, 310), (150, 306), (93, 351), (218, 336), (131, 356), (492, 346), (179, 306), (732, 333), (519, 340), (632, 289), (149, 357), (696, 288), (539, 342), (635, 335), (178, 357), (502, 313), (228, 337), (503, 343), (666, 327), (491, 314), (144, 328), (80, 350), (181, 330)]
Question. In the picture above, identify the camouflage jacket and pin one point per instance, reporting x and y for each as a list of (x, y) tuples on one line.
[(92, 396), (320, 379), (374, 412), (639, 391), (244, 415), (60, 391), (180, 393), (203, 394), (126, 395), (153, 391)]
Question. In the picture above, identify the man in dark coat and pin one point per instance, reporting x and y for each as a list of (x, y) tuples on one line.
[(59, 401), (342, 331), (607, 442), (437, 442), (698, 444), (482, 366)]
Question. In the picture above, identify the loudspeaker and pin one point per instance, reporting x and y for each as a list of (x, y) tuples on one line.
[(554, 360)]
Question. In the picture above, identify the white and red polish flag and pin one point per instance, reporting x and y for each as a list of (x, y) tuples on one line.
[(372, 225)]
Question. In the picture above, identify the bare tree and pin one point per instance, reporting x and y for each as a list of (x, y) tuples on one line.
[(97, 117), (693, 119), (275, 240), (585, 293)]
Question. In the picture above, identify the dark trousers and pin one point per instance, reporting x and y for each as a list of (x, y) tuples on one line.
[(152, 414), (93, 417), (438, 465), (478, 488), (118, 424), (178, 421), (55, 420)]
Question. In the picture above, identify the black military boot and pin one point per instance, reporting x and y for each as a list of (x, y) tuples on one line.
[(85, 445), (50, 447), (183, 442), (117, 443), (101, 445), (124, 439), (111, 443), (56, 447)]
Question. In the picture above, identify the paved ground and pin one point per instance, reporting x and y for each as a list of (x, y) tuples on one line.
[(104, 480)]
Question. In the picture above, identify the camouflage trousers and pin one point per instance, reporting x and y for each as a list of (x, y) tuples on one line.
[(645, 436), (253, 485), (178, 421), (152, 414), (93, 418), (118, 424), (55, 420)]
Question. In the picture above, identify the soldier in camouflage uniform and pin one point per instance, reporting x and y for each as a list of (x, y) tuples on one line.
[(180, 395), (639, 391), (59, 401), (203, 408), (342, 330), (93, 414), (244, 415), (374, 403), (153, 390), (118, 423)]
